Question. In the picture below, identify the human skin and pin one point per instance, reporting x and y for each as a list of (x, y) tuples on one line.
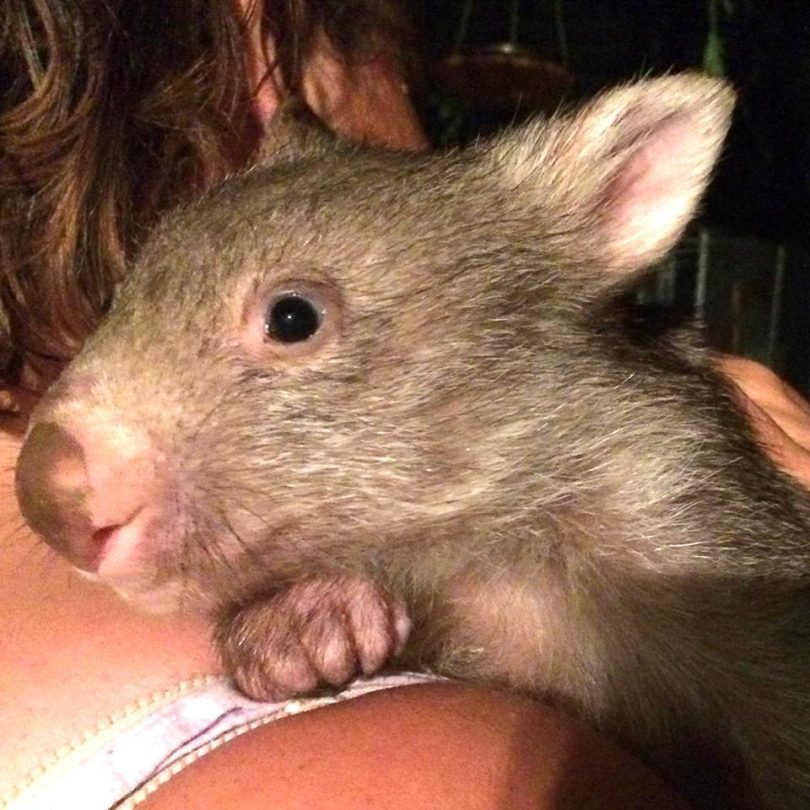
[(72, 654), (780, 416)]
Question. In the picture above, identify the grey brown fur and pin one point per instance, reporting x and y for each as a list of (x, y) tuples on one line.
[(479, 442)]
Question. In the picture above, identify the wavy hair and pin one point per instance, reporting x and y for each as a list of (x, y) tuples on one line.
[(111, 111)]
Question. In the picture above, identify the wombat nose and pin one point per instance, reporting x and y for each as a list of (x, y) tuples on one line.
[(74, 494), (53, 489)]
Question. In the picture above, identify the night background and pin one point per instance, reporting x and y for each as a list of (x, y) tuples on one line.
[(745, 266)]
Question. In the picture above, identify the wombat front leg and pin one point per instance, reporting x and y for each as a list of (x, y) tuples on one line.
[(316, 632)]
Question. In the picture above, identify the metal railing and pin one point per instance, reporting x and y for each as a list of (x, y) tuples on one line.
[(753, 297)]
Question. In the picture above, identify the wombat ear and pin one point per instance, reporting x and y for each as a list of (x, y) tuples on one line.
[(624, 175), (294, 131)]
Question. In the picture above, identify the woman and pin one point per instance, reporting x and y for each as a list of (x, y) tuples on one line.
[(112, 113)]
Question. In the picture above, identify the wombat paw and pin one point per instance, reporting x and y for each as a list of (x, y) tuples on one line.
[(322, 631)]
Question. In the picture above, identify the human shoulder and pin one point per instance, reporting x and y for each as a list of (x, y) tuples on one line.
[(438, 745)]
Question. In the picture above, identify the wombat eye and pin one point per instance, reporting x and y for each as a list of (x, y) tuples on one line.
[(292, 318), (292, 321)]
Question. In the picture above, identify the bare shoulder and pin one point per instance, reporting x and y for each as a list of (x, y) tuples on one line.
[(429, 746)]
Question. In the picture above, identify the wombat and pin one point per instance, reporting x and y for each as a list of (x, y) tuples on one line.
[(368, 407)]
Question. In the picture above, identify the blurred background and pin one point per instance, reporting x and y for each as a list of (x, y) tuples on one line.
[(744, 266)]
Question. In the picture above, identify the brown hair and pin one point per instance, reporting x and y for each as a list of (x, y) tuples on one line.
[(110, 112)]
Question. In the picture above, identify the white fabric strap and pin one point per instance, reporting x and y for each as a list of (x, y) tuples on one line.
[(138, 759)]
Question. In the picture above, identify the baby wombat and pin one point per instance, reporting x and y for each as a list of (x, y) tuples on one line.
[(365, 406)]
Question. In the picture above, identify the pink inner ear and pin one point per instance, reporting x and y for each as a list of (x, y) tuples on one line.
[(656, 190)]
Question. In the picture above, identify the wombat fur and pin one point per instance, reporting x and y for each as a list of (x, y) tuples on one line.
[(371, 408)]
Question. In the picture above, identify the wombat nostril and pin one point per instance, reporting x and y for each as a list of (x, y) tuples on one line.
[(52, 489), (51, 472), (101, 536)]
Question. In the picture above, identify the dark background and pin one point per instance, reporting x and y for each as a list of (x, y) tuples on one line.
[(745, 266)]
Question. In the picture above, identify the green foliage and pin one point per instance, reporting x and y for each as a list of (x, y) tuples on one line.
[(714, 50)]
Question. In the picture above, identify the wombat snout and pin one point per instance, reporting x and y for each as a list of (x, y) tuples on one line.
[(89, 487)]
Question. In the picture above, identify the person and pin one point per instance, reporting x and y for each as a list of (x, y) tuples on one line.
[(111, 113)]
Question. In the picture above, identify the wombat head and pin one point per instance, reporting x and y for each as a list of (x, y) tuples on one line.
[(343, 347)]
